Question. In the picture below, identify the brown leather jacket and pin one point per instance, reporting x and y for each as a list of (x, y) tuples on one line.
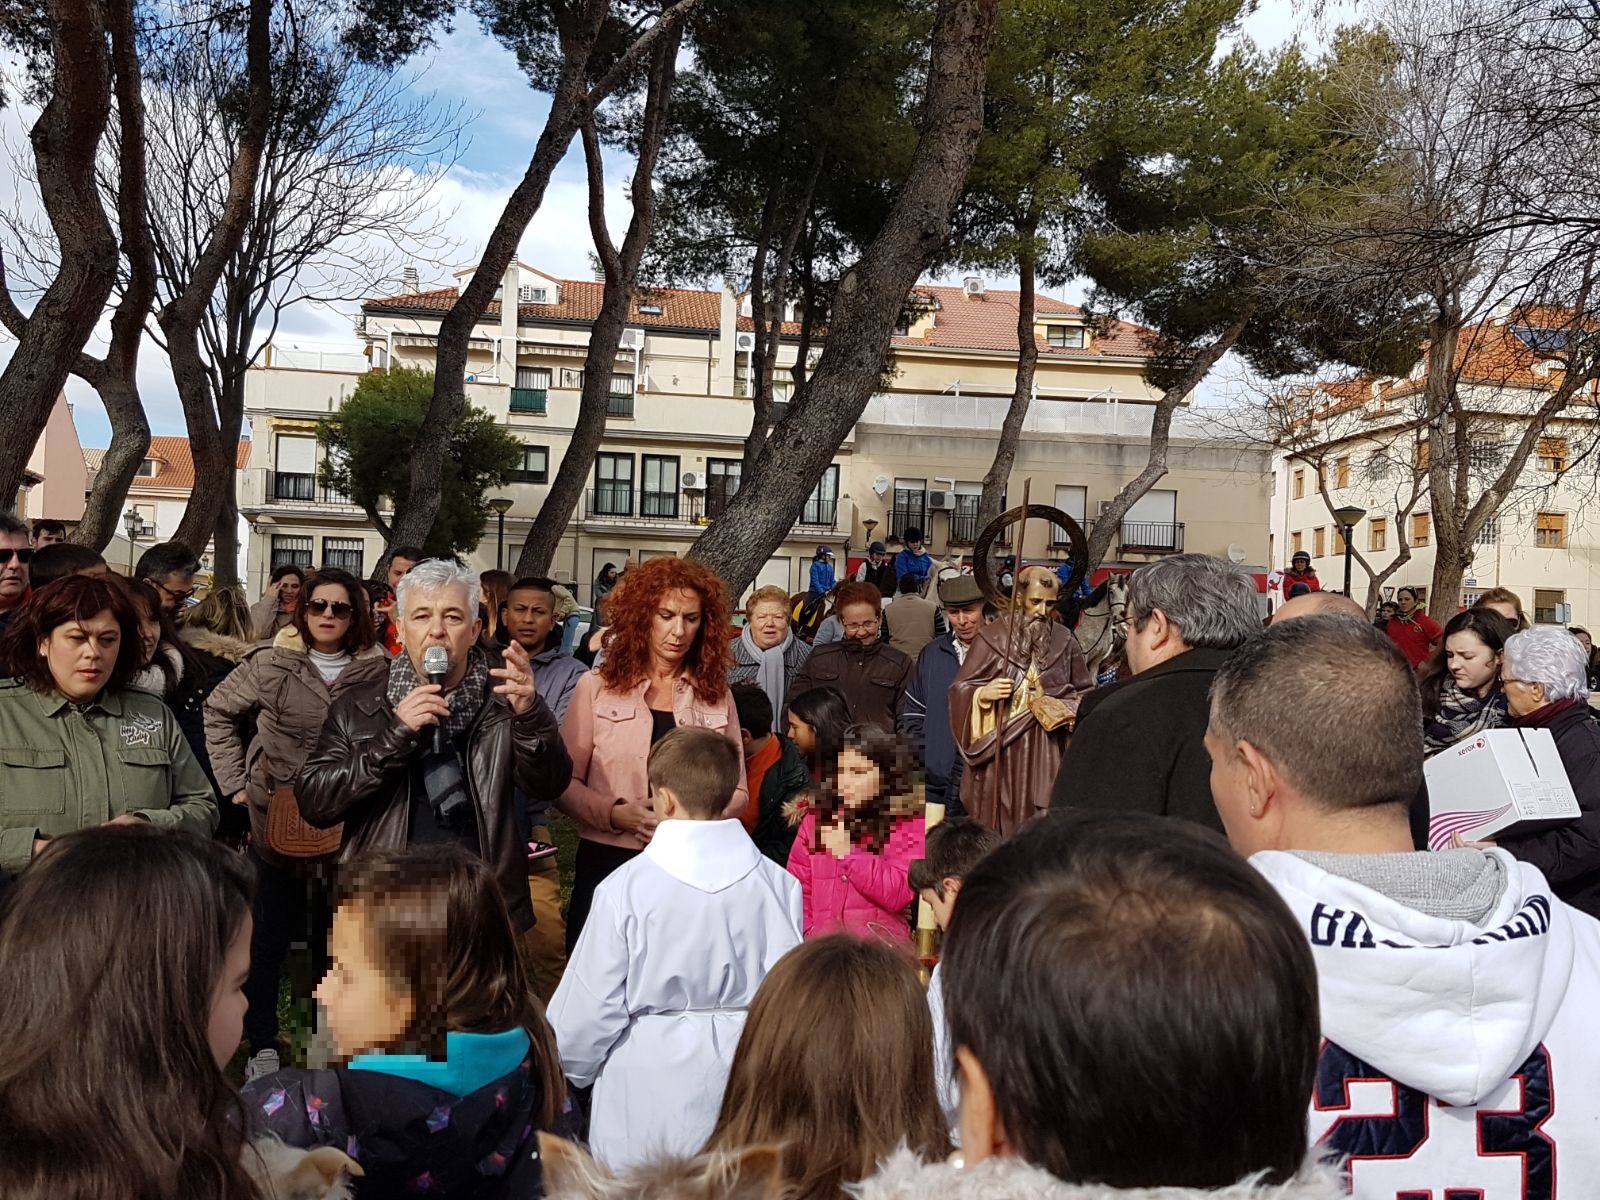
[(361, 773)]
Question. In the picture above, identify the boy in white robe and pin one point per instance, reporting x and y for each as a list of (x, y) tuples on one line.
[(654, 997)]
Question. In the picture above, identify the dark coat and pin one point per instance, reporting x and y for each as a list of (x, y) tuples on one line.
[(1569, 854), (1139, 745), (872, 679), (362, 772), (481, 1145), (785, 779), (925, 719)]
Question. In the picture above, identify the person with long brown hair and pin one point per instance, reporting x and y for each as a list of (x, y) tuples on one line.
[(666, 665), (836, 1065), (125, 951), (283, 693), (80, 746), (447, 1065)]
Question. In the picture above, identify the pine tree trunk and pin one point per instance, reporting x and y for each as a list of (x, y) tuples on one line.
[(868, 302), (992, 502)]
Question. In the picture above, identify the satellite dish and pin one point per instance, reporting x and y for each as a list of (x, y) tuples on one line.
[(880, 484), (1236, 553)]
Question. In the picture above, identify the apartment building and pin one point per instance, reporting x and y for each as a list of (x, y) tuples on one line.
[(679, 413), (1362, 438)]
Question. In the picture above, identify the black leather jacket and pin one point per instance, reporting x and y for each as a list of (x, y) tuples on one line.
[(362, 770)]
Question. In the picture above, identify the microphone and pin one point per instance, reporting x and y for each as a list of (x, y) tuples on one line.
[(436, 666)]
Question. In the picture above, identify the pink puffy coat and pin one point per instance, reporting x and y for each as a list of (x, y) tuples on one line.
[(865, 893)]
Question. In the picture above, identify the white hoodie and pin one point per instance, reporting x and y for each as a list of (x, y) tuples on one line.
[(1460, 1061), (653, 999)]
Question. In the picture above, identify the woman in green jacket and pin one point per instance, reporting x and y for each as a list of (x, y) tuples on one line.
[(78, 746)]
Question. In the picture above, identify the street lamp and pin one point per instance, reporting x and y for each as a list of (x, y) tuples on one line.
[(1348, 517), (132, 524), (501, 506)]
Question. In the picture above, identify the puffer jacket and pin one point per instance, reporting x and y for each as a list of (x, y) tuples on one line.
[(903, 1177), (364, 768), (280, 688), (866, 893)]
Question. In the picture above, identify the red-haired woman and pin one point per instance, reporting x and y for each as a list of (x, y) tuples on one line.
[(662, 670)]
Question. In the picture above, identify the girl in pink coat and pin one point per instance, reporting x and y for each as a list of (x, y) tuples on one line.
[(856, 844)]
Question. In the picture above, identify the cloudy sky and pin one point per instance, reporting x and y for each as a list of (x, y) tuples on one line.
[(473, 71)]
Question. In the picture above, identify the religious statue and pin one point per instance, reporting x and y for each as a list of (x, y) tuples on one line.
[(1013, 705)]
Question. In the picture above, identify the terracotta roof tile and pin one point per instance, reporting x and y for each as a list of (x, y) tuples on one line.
[(176, 464), (681, 308)]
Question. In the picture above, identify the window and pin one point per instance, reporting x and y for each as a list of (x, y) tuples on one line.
[(535, 465), (1486, 454), (532, 390), (572, 378), (613, 485), (722, 483), (528, 294), (1550, 531), (1151, 524), (295, 473), (1545, 601), (1296, 542), (822, 508), (1553, 454), (902, 327), (1377, 533), (910, 507), (1300, 484), (1423, 455), (1319, 542), (620, 399), (649, 309), (1421, 528), (1488, 532), (1379, 466), (1341, 472), (290, 550), (344, 553), (658, 493), (147, 469), (964, 516), (1073, 501), (1064, 337), (1338, 540)]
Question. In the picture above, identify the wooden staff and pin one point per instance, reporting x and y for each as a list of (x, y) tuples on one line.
[(1012, 625)]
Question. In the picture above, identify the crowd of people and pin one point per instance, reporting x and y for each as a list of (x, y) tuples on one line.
[(1224, 963)]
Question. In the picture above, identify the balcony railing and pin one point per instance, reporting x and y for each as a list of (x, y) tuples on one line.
[(621, 502), (619, 404), (528, 400), (1152, 537), (819, 513), (298, 487)]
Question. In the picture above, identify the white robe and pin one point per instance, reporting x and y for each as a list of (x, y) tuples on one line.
[(653, 1000)]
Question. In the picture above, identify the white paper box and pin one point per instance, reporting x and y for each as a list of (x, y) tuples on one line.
[(1494, 781)]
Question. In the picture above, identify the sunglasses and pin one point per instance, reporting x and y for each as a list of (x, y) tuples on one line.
[(337, 607), (23, 556)]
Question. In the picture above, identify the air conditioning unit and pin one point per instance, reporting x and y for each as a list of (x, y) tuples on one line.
[(632, 339), (1102, 508), (744, 341), (972, 286), (693, 481), (941, 501)]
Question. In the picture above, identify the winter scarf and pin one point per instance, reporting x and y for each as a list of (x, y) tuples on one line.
[(770, 673), (464, 700), (1461, 715)]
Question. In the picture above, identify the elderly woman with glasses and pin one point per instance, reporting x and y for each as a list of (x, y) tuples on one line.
[(1546, 680)]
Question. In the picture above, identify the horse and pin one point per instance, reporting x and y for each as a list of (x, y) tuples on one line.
[(1102, 624), (806, 614)]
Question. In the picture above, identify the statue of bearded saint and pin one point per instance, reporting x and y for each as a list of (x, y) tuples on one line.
[(1013, 706)]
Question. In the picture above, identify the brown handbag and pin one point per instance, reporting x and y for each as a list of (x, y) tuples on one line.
[(289, 833)]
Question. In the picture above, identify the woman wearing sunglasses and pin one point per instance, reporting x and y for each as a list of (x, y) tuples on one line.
[(286, 689)]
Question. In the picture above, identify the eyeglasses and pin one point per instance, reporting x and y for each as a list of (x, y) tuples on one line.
[(23, 556), (338, 608), (182, 597), (861, 627)]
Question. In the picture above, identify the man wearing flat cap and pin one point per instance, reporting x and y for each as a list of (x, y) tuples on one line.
[(925, 717)]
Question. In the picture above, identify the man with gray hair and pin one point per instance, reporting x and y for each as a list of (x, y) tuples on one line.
[(1139, 745), (1546, 678), (406, 759)]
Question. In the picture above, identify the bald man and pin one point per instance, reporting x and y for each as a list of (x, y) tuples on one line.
[(1323, 604)]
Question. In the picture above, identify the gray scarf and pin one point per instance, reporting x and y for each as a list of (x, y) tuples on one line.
[(770, 672), (465, 699)]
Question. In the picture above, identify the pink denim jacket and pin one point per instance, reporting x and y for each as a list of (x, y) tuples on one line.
[(607, 735), (864, 893)]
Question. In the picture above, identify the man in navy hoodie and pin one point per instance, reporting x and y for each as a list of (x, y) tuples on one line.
[(925, 716)]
